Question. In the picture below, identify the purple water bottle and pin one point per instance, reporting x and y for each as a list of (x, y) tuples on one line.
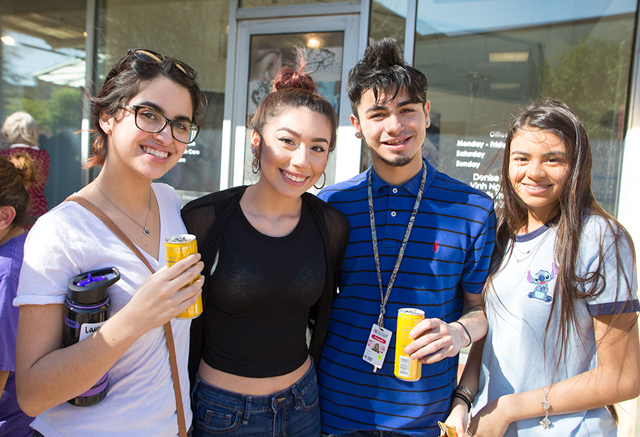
[(85, 311)]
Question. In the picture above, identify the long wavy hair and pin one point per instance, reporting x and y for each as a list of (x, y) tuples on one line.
[(576, 203)]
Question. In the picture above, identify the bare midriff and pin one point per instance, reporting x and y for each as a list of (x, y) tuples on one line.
[(251, 386)]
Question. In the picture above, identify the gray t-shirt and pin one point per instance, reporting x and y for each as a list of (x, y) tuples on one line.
[(517, 357)]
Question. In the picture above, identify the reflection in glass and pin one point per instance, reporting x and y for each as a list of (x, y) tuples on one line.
[(263, 3), (388, 18), (43, 67), (191, 32), (269, 53), (484, 63)]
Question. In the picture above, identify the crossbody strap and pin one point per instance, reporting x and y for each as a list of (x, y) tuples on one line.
[(182, 429)]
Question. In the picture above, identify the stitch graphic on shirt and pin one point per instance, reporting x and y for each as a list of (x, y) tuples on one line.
[(541, 279), (435, 246)]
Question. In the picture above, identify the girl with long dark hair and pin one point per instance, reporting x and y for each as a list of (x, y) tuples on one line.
[(561, 299)]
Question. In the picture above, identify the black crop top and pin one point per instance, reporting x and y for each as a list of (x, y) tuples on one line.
[(207, 219), (260, 295)]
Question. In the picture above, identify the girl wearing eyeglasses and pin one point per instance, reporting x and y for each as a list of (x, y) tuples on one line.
[(144, 115), (272, 255)]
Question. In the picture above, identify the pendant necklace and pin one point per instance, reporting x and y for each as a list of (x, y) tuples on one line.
[(145, 229)]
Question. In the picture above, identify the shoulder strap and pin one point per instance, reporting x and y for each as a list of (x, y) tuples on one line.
[(112, 226), (182, 429)]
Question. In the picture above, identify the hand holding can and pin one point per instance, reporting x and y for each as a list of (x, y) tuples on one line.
[(405, 368), (177, 248)]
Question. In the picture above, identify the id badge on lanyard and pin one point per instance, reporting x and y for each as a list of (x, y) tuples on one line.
[(379, 337)]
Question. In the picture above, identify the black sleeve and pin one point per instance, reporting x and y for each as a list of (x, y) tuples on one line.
[(335, 229), (338, 226), (205, 218)]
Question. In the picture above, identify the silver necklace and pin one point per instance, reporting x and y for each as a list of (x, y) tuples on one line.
[(145, 229), (527, 253)]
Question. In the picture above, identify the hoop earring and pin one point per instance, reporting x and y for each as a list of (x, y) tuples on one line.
[(324, 182), (255, 164)]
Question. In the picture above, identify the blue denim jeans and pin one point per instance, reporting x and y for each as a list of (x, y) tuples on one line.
[(366, 434), (293, 412)]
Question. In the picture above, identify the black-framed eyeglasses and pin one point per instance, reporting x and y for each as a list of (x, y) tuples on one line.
[(152, 121), (152, 57)]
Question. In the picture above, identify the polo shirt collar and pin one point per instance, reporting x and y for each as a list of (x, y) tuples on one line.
[(412, 185)]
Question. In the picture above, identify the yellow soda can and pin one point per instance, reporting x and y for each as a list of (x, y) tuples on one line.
[(447, 431), (405, 368), (177, 248)]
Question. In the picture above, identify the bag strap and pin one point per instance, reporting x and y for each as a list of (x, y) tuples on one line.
[(182, 429)]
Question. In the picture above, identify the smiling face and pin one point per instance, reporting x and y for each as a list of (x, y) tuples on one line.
[(293, 151), (144, 154), (394, 132), (538, 170)]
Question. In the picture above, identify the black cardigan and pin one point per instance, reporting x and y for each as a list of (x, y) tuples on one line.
[(206, 218)]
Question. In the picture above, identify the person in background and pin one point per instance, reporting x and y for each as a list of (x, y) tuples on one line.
[(144, 115), (561, 299), (15, 176), (20, 134), (419, 239), (272, 254)]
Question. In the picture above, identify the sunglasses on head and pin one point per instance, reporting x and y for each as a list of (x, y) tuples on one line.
[(152, 57)]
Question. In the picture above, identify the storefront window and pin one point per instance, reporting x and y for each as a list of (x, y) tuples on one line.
[(263, 3), (43, 67), (486, 62), (195, 32), (388, 18)]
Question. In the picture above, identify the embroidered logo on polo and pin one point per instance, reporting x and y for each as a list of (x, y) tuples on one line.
[(541, 279)]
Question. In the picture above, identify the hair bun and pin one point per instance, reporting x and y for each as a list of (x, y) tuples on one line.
[(383, 54), (295, 77), (26, 168)]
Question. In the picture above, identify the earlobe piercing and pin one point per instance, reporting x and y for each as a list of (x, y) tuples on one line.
[(358, 135)]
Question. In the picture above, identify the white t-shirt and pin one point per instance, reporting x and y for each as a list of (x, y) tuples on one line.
[(517, 357), (70, 240)]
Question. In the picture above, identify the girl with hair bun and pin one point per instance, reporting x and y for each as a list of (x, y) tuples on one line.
[(272, 255), (15, 175)]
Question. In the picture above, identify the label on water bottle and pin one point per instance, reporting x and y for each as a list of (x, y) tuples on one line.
[(86, 329)]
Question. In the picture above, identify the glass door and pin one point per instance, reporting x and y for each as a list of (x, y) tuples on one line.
[(265, 46)]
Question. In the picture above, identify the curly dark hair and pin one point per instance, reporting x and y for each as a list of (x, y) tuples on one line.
[(123, 82)]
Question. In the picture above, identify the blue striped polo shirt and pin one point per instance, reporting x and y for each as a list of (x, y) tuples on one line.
[(448, 251)]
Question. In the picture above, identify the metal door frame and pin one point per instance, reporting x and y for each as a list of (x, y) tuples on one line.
[(347, 153)]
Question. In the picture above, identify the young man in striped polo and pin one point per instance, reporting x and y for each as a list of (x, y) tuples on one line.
[(435, 232)]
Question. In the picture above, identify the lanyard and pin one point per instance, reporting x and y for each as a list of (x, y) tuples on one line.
[(374, 238)]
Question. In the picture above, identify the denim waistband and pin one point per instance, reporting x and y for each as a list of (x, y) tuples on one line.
[(257, 404)]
